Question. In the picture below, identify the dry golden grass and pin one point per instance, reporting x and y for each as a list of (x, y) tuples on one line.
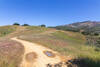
[(5, 30), (11, 53), (66, 43)]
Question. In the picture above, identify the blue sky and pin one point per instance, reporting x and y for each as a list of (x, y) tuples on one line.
[(49, 12)]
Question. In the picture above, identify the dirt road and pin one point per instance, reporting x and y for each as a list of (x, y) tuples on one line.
[(36, 55)]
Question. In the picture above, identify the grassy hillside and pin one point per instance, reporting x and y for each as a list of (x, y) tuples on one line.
[(10, 53), (86, 26), (91, 29), (5, 30), (65, 42)]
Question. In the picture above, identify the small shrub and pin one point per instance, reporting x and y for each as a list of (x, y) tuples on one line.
[(96, 34), (97, 49), (85, 33), (85, 62)]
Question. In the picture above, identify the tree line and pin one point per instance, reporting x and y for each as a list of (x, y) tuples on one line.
[(17, 24)]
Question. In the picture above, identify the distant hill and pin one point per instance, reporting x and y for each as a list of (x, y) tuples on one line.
[(91, 30), (90, 26), (84, 24)]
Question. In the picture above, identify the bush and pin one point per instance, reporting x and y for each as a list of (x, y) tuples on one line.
[(16, 24), (84, 62), (43, 25), (25, 25), (97, 49), (96, 34), (85, 33)]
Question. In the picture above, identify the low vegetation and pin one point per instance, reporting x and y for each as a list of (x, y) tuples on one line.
[(10, 53), (65, 42), (36, 29), (68, 43), (5, 30)]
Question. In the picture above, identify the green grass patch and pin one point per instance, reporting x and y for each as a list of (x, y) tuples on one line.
[(64, 36), (36, 29), (5, 30)]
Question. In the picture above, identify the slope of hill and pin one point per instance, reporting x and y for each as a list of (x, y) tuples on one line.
[(84, 24), (65, 42), (4, 30), (11, 53), (91, 26)]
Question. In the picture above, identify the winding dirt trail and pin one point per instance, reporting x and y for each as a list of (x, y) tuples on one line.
[(38, 58)]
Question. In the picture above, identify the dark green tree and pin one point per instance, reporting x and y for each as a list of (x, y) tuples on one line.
[(43, 25), (16, 24), (25, 25)]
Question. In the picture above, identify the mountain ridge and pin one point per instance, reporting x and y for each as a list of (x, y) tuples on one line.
[(90, 26), (84, 23)]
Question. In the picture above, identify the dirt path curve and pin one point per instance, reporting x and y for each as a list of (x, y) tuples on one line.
[(40, 59)]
